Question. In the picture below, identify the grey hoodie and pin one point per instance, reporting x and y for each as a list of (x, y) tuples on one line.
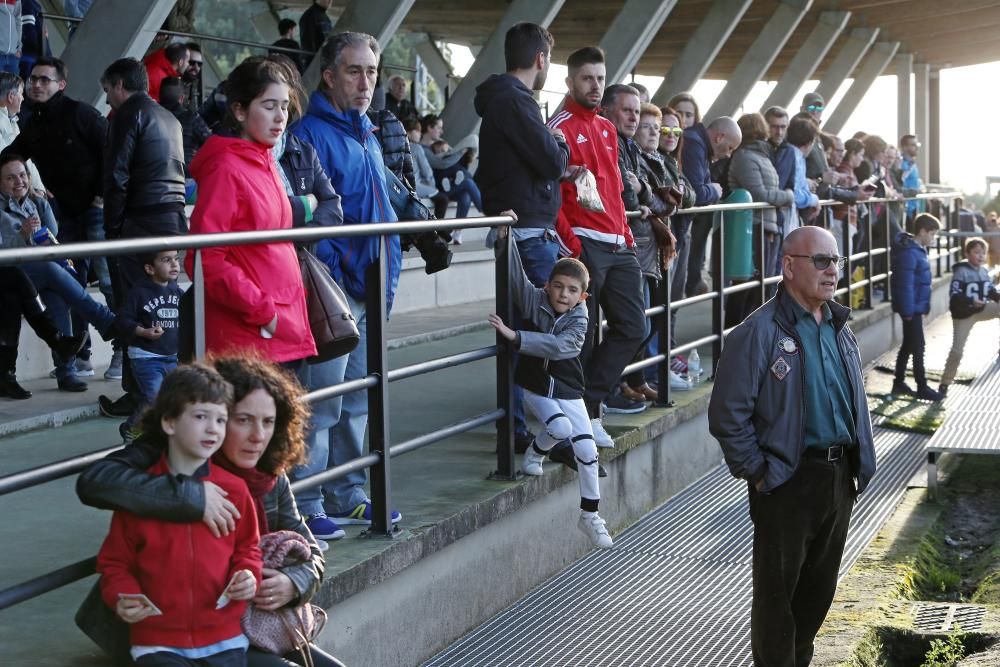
[(10, 27)]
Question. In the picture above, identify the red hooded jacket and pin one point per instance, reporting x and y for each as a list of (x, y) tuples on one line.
[(158, 68), (239, 190), (182, 568), (593, 143)]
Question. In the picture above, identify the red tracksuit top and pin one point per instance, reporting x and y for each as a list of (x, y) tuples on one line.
[(182, 568), (593, 143)]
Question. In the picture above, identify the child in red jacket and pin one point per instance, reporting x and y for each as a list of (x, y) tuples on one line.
[(183, 590)]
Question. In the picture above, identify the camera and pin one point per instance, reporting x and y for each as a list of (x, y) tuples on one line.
[(432, 247)]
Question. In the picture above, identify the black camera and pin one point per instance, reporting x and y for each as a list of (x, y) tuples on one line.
[(433, 248)]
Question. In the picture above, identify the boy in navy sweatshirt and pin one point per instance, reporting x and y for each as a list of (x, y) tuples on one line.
[(974, 298), (550, 372), (149, 321), (911, 298)]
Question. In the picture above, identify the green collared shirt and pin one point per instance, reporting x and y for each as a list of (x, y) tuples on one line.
[(829, 415)]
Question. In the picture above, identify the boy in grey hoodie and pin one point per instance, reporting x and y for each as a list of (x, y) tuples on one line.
[(974, 298), (550, 372)]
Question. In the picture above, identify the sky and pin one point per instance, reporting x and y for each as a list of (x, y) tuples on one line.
[(964, 91)]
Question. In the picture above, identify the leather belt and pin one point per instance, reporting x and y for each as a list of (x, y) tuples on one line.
[(834, 453)]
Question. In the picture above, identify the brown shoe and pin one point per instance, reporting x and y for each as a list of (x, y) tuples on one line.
[(648, 393), (633, 394)]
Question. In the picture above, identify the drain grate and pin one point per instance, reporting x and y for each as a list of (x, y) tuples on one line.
[(948, 617)]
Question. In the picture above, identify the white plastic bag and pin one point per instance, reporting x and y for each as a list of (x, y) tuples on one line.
[(586, 192)]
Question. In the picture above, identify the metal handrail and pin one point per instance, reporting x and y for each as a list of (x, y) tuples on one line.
[(381, 453)]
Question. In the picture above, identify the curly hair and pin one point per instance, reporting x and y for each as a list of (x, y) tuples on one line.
[(183, 386), (247, 373)]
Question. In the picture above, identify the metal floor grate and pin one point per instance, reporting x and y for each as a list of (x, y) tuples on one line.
[(675, 590), (948, 617)]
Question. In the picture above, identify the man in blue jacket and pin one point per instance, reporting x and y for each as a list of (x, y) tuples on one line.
[(338, 128), (703, 146), (911, 298), (522, 161)]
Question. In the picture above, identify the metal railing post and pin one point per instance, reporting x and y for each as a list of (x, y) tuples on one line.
[(719, 284), (886, 291), (506, 465), (378, 395), (198, 285), (869, 263), (661, 296)]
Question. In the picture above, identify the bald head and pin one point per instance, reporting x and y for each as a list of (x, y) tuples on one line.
[(808, 285), (724, 136)]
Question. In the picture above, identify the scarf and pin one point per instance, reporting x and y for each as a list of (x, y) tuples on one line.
[(259, 483)]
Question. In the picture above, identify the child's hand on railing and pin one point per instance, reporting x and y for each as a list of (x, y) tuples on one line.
[(497, 323)]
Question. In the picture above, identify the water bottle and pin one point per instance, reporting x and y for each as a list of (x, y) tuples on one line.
[(694, 367)]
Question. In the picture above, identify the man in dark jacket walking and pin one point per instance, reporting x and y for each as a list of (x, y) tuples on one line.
[(144, 178), (789, 410), (521, 161), (315, 26), (194, 131)]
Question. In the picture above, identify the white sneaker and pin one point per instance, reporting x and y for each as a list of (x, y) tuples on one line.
[(446, 185), (459, 177), (677, 383), (593, 526), (83, 367), (601, 437), (531, 464)]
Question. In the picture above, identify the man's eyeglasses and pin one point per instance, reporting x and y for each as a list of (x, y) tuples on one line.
[(44, 80), (195, 63), (649, 126), (822, 262), (667, 131), (814, 107)]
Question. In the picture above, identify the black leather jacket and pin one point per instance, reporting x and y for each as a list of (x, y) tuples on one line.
[(144, 158), (120, 482), (395, 146), (65, 137)]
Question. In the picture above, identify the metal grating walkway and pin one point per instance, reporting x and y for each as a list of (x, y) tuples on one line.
[(675, 590), (973, 426)]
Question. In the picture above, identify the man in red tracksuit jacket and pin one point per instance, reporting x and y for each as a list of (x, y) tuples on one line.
[(602, 241)]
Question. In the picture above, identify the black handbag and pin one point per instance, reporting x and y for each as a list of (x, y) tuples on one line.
[(405, 203), (330, 318)]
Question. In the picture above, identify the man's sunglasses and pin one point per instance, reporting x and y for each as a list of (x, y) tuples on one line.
[(667, 131), (822, 262), (814, 107)]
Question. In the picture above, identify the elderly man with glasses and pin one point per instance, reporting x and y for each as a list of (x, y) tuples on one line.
[(789, 410)]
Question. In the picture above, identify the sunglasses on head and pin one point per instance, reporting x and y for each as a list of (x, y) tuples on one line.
[(667, 131), (822, 262), (814, 107)]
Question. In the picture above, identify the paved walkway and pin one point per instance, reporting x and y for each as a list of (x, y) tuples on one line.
[(675, 589)]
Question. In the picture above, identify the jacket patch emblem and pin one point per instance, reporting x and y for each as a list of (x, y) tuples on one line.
[(605, 133), (580, 139), (787, 344), (302, 183), (780, 368)]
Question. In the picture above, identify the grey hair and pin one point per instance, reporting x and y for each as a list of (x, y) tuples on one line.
[(329, 54), (612, 92), (9, 83)]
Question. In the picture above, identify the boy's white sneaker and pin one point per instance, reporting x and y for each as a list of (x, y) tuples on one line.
[(593, 526), (601, 437), (677, 383), (531, 464)]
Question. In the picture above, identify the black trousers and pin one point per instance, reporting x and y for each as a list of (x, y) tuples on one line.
[(913, 345), (799, 533), (701, 228), (615, 284)]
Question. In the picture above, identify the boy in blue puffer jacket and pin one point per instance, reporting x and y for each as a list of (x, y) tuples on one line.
[(911, 298)]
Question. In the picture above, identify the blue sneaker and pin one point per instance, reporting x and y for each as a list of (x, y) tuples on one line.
[(362, 515), (324, 528)]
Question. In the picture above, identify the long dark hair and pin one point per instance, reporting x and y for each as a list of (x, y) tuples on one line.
[(248, 82)]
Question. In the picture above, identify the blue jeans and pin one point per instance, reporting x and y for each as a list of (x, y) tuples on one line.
[(88, 226), (336, 428), (61, 293), (538, 256), (9, 63), (464, 194), (148, 374)]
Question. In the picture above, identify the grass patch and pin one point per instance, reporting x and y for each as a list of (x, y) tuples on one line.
[(886, 646), (905, 414), (929, 575)]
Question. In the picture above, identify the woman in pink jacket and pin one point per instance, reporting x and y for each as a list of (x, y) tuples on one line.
[(254, 294)]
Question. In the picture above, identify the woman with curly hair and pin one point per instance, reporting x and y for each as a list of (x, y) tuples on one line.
[(265, 437)]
